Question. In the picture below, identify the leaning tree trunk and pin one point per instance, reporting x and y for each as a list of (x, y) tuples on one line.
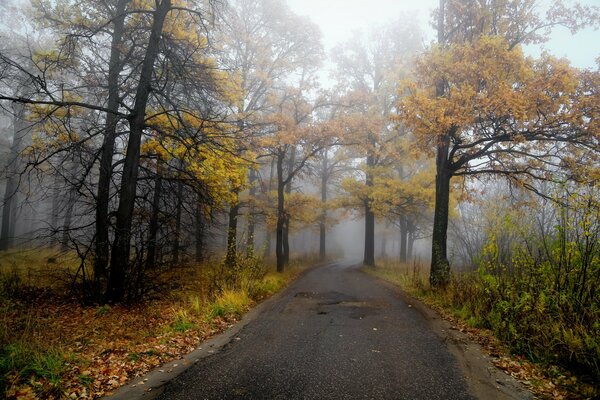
[(120, 253), (9, 204), (106, 158)]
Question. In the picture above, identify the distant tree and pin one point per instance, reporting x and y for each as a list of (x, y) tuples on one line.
[(369, 70)]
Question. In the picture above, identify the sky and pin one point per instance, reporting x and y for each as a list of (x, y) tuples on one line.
[(339, 18)]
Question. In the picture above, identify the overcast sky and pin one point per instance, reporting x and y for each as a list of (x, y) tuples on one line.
[(339, 18)]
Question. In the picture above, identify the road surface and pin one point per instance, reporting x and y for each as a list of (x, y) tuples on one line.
[(335, 333)]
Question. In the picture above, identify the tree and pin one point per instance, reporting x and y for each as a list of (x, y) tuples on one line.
[(485, 108), (369, 70)]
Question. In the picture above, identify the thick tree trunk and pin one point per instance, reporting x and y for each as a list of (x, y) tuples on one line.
[(323, 221), (280, 216), (440, 267), (120, 253), (286, 238), (9, 204), (106, 157), (369, 256)]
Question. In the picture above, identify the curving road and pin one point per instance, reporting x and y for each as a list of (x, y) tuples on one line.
[(335, 333)]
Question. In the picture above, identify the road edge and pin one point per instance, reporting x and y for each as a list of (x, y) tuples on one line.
[(151, 385), (485, 380)]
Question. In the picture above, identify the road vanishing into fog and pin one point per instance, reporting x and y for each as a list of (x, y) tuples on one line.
[(334, 333)]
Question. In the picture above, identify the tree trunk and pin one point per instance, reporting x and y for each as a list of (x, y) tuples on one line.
[(231, 256), (403, 239), (280, 215), (440, 267), (9, 204), (199, 254), (369, 256), (411, 242), (120, 255), (108, 145), (323, 221), (153, 224), (64, 242), (286, 224), (250, 218), (177, 244)]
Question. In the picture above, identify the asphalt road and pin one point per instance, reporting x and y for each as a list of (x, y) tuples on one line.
[(335, 333)]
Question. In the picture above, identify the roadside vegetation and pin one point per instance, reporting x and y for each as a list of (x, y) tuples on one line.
[(51, 346), (534, 290)]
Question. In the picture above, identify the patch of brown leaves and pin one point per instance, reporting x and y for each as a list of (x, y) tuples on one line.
[(107, 349)]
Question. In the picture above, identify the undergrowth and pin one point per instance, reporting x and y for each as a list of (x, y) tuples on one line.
[(524, 311), (52, 346)]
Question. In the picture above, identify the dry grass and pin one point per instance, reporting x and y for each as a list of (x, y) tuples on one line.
[(465, 303), (53, 347)]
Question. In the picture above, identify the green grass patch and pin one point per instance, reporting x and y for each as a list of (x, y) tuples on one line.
[(230, 303)]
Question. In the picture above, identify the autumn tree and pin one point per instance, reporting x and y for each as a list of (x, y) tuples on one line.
[(369, 69), (485, 108)]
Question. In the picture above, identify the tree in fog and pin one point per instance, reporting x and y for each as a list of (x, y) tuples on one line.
[(485, 108), (368, 70)]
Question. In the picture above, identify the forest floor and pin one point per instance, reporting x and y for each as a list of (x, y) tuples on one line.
[(51, 346), (546, 381)]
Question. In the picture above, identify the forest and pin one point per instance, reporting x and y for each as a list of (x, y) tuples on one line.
[(177, 161)]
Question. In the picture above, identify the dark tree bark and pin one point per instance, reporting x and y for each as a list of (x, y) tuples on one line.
[(9, 204), (121, 246), (106, 157), (323, 221), (280, 215), (369, 255), (440, 267)]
